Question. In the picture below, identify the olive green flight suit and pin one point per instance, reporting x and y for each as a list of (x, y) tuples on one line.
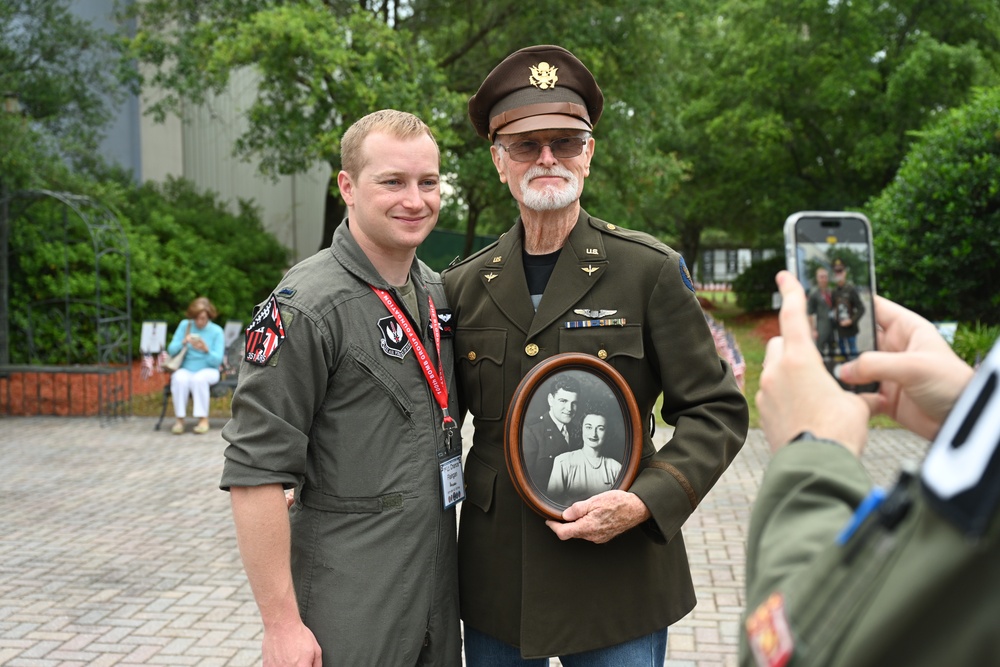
[(918, 593), (373, 549)]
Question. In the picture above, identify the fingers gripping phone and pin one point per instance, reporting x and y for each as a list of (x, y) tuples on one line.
[(831, 254)]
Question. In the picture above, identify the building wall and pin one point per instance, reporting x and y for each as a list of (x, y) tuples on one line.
[(198, 146)]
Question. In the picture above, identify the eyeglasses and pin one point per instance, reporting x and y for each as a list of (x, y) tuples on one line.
[(528, 151)]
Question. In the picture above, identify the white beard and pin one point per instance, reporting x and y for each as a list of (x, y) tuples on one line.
[(550, 198)]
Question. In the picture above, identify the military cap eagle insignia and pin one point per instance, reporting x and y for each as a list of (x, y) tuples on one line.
[(594, 314), (543, 76)]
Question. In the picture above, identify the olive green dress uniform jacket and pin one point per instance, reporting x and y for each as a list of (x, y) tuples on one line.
[(374, 554), (920, 595), (518, 581)]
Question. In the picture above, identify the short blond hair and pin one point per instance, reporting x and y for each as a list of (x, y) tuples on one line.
[(397, 124)]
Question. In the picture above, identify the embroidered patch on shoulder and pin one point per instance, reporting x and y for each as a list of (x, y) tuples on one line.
[(394, 340), (265, 333), (686, 275), (768, 633)]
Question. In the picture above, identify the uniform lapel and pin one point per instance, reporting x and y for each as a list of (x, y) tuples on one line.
[(502, 274), (582, 263)]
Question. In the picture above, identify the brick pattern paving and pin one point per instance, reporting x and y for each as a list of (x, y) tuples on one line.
[(117, 548)]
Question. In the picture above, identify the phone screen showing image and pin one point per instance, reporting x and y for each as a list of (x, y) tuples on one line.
[(831, 254)]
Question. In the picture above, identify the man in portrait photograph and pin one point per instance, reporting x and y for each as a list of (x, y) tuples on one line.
[(554, 432)]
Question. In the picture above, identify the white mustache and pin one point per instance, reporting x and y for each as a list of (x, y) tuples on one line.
[(557, 170)]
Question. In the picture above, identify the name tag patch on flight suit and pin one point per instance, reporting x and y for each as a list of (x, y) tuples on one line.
[(265, 333), (961, 473), (446, 322), (768, 633), (394, 341)]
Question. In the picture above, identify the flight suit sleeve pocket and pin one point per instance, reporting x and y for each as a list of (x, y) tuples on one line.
[(480, 480), (479, 356), (603, 342)]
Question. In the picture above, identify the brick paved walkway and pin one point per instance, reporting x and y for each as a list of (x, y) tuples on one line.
[(117, 548)]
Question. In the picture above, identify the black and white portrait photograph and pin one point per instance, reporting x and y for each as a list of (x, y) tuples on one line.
[(576, 437)]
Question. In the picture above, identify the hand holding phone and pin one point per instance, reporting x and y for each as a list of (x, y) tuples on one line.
[(830, 252)]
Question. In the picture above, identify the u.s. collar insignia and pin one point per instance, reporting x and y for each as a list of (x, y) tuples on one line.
[(394, 341), (543, 76), (589, 270), (490, 276)]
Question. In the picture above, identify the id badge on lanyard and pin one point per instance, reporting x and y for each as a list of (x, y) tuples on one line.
[(452, 481)]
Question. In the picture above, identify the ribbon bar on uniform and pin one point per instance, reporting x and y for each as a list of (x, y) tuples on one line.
[(612, 322)]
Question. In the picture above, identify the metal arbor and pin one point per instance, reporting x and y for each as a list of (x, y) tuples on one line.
[(72, 342)]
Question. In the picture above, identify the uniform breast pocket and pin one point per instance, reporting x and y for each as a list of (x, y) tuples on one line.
[(615, 345), (479, 355)]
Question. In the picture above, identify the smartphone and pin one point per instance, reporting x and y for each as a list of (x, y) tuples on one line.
[(831, 254)]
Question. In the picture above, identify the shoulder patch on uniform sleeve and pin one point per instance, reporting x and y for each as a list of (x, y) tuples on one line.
[(265, 333), (769, 634), (685, 274)]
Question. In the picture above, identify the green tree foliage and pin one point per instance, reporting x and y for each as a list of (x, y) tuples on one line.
[(793, 105), (64, 73), (320, 66), (182, 244), (189, 245), (936, 240)]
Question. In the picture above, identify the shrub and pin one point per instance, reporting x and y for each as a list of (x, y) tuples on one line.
[(974, 341), (182, 244), (936, 241), (754, 287)]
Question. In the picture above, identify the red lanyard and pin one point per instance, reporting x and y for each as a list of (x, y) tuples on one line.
[(435, 377)]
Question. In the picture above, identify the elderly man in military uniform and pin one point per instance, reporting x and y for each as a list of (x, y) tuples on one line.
[(559, 281)]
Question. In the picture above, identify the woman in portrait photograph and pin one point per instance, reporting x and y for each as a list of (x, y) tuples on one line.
[(587, 471)]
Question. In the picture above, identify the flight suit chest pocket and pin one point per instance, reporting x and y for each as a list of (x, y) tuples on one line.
[(479, 355), (605, 343)]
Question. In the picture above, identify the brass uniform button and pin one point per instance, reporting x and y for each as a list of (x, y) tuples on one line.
[(471, 356), (611, 227), (602, 354), (531, 349)]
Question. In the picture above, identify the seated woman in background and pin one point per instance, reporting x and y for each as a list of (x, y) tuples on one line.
[(584, 472), (206, 346)]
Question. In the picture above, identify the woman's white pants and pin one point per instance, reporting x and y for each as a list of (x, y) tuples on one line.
[(184, 383)]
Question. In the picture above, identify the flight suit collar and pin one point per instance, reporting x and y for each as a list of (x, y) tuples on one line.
[(350, 255)]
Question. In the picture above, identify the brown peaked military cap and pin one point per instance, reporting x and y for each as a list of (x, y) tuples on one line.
[(541, 87)]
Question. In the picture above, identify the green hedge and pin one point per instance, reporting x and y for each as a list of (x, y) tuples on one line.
[(937, 225), (183, 243), (754, 287)]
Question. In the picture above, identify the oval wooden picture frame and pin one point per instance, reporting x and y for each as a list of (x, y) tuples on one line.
[(588, 464)]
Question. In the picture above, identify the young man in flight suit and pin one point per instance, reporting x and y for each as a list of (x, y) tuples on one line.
[(344, 396)]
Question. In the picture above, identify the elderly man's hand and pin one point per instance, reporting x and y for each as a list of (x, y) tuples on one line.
[(601, 518)]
